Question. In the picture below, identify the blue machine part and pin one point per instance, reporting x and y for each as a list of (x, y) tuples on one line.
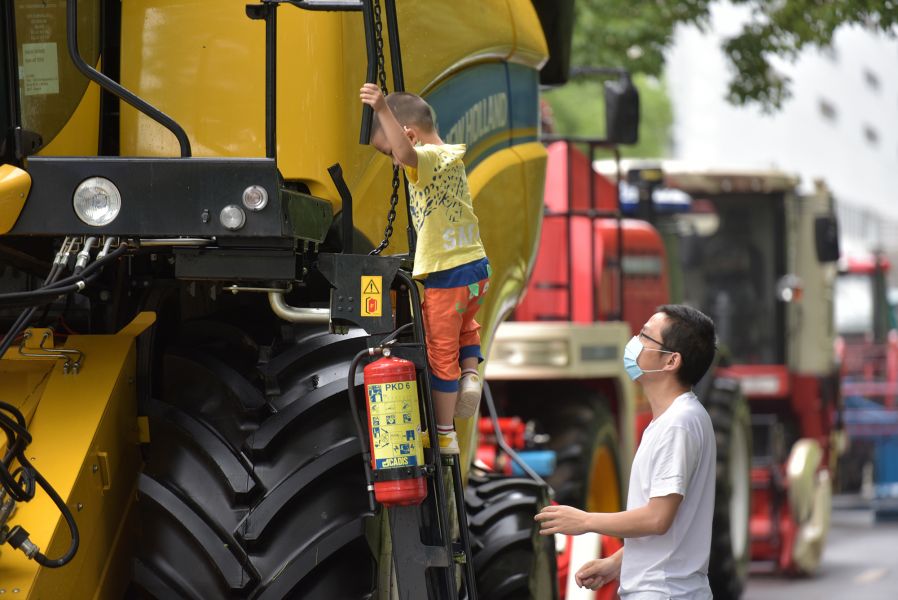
[(886, 464), (868, 419), (541, 461), (666, 200)]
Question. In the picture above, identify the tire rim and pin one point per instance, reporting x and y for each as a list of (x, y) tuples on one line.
[(604, 483), (739, 491)]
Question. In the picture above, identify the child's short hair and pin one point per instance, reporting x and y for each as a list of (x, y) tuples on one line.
[(410, 110)]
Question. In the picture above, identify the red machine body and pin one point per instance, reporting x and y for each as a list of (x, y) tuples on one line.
[(869, 355), (576, 274), (394, 424), (592, 268)]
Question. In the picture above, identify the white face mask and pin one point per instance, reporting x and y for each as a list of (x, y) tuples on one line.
[(631, 353)]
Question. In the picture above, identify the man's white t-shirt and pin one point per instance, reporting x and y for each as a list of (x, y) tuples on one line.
[(677, 455)]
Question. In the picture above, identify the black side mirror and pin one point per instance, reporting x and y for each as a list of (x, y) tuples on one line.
[(557, 19), (826, 237), (621, 111)]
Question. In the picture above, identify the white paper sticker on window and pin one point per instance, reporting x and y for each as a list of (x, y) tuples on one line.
[(41, 69)]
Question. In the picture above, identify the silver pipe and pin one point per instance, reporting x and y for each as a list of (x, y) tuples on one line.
[(84, 255), (294, 314), (146, 242), (64, 250), (234, 289), (106, 245)]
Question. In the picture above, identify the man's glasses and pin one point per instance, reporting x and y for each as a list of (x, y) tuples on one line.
[(651, 339)]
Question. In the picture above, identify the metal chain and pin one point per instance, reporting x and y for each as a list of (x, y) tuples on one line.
[(391, 214), (379, 43), (382, 77)]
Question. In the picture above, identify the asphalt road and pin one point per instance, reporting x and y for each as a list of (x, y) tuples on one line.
[(860, 562)]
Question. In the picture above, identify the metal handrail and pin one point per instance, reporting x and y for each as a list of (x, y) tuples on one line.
[(592, 213), (115, 88)]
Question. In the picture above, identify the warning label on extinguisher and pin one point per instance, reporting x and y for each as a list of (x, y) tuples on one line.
[(372, 290), (395, 424)]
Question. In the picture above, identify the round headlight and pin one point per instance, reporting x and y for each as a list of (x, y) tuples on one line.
[(255, 198), (97, 201), (232, 217)]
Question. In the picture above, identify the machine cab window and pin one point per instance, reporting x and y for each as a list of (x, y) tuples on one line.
[(49, 87)]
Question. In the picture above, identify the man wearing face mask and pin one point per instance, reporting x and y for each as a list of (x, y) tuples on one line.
[(670, 504)]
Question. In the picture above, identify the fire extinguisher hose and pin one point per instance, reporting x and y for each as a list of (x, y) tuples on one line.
[(360, 432)]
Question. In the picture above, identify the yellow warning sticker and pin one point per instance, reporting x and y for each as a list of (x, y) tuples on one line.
[(372, 296)]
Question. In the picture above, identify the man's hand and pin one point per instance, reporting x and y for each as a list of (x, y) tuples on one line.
[(562, 519), (598, 572), (371, 95)]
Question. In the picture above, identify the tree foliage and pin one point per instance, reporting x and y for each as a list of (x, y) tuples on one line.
[(635, 33), (578, 109)]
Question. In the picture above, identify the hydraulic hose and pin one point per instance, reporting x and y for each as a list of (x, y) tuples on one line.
[(396, 334), (353, 410), (23, 490), (41, 295), (97, 264), (20, 484), (17, 438), (26, 315), (500, 440), (41, 558), (67, 285)]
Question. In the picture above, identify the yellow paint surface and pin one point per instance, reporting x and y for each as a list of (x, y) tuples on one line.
[(14, 187), (84, 431)]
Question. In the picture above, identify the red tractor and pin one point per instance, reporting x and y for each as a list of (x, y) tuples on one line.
[(557, 365), (868, 351), (759, 258)]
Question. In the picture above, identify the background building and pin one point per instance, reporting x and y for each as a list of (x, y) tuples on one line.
[(841, 123)]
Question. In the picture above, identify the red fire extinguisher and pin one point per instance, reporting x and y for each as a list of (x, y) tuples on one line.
[(395, 427)]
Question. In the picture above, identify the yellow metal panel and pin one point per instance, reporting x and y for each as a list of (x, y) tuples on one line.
[(80, 135), (14, 187), (319, 111), (530, 43), (140, 323), (509, 236), (21, 384), (212, 82), (85, 445), (200, 62), (509, 178), (441, 37)]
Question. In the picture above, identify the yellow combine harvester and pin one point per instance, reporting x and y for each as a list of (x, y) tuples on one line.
[(180, 290)]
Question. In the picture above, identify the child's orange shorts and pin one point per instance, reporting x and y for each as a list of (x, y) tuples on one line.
[(452, 333)]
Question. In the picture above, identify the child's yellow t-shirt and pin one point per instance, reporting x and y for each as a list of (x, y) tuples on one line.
[(442, 211)]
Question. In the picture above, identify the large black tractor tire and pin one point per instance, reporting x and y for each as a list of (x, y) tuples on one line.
[(253, 486), (512, 561), (583, 434), (730, 542)]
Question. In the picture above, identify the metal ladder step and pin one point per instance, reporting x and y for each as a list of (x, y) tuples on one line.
[(428, 569), (426, 551)]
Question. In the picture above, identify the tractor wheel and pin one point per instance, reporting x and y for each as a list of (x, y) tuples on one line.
[(728, 567), (253, 486), (587, 474), (512, 561)]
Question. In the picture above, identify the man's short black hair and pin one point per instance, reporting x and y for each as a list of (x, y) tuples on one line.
[(410, 110), (691, 333)]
